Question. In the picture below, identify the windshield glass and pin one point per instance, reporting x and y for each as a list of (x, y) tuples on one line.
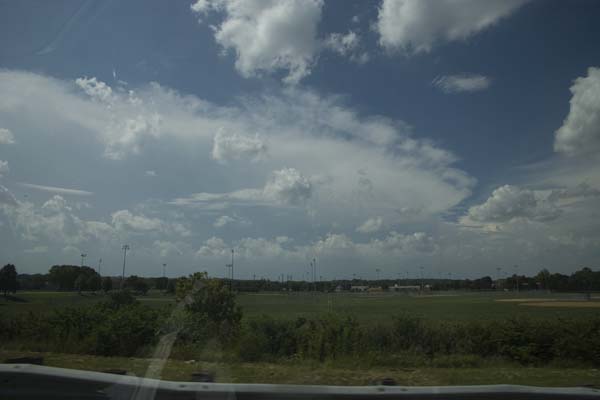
[(302, 191)]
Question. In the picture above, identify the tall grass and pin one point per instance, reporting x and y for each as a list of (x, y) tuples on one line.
[(123, 328)]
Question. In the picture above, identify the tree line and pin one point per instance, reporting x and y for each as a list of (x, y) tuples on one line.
[(207, 315), (77, 278), (83, 278)]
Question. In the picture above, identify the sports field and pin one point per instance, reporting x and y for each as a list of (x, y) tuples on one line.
[(444, 306), (368, 308), (377, 307)]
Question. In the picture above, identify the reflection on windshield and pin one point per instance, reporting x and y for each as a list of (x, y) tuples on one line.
[(390, 193)]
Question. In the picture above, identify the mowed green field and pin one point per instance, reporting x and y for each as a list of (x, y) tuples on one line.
[(382, 307), (367, 308), (376, 307)]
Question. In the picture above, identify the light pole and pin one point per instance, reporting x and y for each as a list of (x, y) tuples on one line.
[(83, 255), (377, 271), (499, 270), (516, 267), (231, 273), (422, 285), (312, 272), (125, 248), (164, 267), (315, 273), (228, 274)]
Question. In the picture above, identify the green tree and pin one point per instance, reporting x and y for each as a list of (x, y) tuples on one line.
[(136, 284), (211, 310), (107, 284), (161, 283), (93, 282), (216, 302), (8, 279), (543, 278), (64, 276), (186, 285), (171, 286), (80, 283)]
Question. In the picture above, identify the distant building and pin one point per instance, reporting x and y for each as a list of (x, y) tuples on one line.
[(407, 288), (339, 288), (375, 289), (358, 288)]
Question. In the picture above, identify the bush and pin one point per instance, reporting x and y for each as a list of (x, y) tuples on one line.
[(253, 346), (126, 331), (116, 327), (122, 326), (210, 310), (107, 284), (119, 299), (136, 284), (409, 340)]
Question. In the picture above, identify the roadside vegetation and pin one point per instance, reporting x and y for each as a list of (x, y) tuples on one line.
[(208, 324)]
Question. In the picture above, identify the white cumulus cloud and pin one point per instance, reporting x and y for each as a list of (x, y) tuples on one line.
[(235, 146), (126, 221), (288, 186), (415, 26), (127, 121), (213, 247), (346, 45), (6, 136), (327, 162), (508, 202), (284, 187), (580, 131), (166, 248), (6, 197), (267, 35), (223, 220), (95, 89), (56, 222), (371, 225), (418, 242), (3, 167)]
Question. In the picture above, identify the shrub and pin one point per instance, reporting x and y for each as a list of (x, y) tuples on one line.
[(210, 310), (126, 330), (118, 299), (115, 327)]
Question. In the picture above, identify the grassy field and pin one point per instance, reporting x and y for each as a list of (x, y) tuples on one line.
[(381, 307), (323, 373), (365, 307)]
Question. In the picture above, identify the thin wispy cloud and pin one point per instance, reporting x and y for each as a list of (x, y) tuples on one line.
[(55, 189), (461, 83)]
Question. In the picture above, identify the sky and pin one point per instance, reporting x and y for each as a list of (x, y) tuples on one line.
[(458, 136)]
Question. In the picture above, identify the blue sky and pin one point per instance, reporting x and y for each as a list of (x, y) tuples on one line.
[(391, 135)]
